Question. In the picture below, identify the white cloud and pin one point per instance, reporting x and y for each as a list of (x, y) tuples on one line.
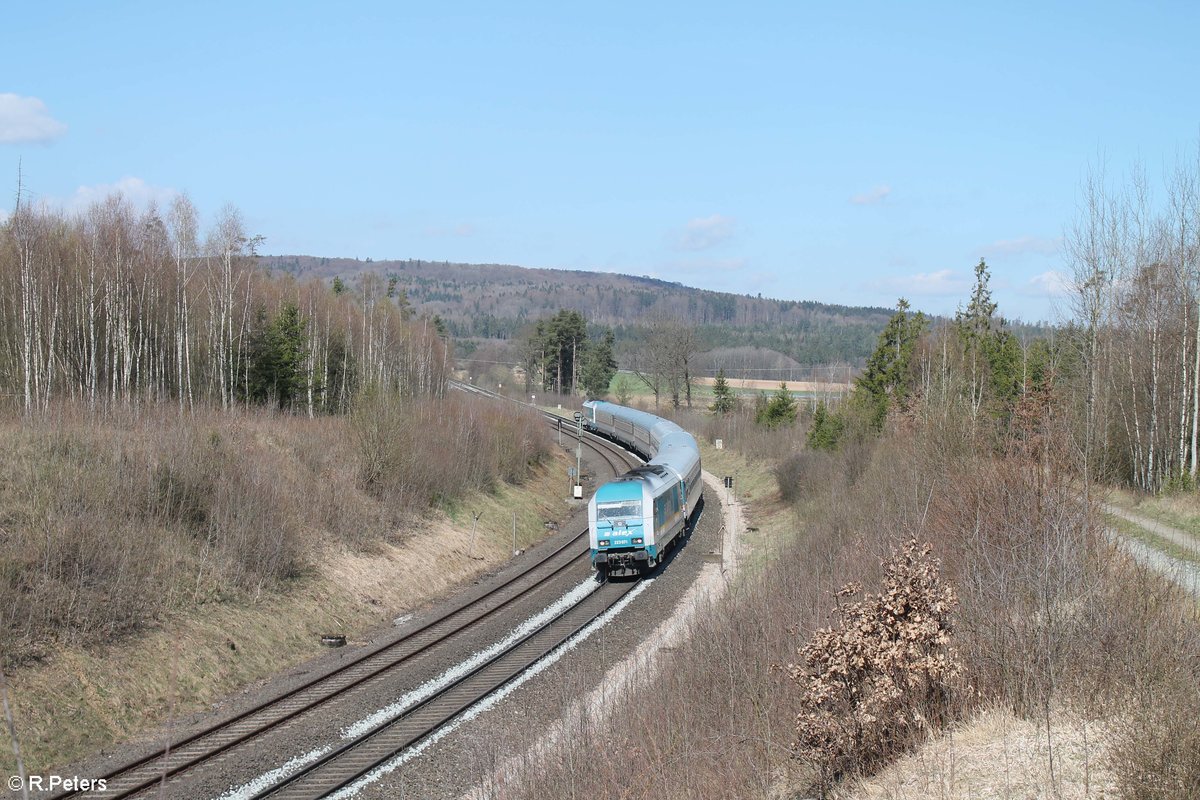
[(135, 190), (1024, 245), (943, 283), (704, 233), (873, 197), (26, 119), (1051, 283)]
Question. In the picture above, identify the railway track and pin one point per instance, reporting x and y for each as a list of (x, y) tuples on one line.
[(196, 749), (618, 458), (205, 745), (343, 766)]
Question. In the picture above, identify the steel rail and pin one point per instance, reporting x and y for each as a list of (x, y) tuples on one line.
[(351, 761), (266, 716), (203, 745)]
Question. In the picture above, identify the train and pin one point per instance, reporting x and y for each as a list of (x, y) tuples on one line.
[(636, 519)]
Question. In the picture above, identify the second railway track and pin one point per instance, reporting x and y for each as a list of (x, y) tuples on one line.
[(341, 767), (162, 765)]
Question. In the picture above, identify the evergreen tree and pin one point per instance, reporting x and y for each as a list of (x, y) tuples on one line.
[(341, 367), (780, 410), (992, 354), (439, 325), (761, 402), (553, 349), (826, 429), (891, 370), (599, 367), (724, 400), (278, 356)]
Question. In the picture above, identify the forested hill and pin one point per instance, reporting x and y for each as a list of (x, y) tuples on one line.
[(494, 301)]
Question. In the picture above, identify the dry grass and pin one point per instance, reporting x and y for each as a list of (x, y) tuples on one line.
[(1052, 624), (996, 754), (140, 544), (1179, 510), (109, 523)]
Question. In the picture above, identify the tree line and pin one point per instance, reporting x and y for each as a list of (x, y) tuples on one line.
[(1134, 252), (558, 355), (119, 306), (499, 301), (974, 366)]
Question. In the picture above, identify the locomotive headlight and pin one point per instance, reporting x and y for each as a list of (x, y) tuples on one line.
[(637, 540), (603, 542)]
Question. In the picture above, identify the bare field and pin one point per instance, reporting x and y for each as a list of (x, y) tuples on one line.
[(749, 385)]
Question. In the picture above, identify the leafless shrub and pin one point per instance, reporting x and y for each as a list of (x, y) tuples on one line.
[(800, 474), (1156, 753), (109, 522), (871, 682), (416, 454)]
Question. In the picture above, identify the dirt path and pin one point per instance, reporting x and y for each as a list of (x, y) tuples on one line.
[(1183, 573), (1162, 530)]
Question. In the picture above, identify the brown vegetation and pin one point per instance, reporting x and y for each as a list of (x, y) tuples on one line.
[(1049, 615), (106, 527), (882, 675)]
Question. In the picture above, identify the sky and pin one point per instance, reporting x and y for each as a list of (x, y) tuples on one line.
[(849, 153)]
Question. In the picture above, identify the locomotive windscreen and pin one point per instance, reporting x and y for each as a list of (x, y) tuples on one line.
[(618, 510)]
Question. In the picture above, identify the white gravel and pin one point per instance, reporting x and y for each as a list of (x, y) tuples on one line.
[(272, 777), (495, 697), (431, 687), (426, 690)]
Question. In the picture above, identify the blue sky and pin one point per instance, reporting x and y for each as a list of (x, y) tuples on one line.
[(847, 153)]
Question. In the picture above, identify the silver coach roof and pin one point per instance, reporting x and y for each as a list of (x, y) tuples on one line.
[(677, 449)]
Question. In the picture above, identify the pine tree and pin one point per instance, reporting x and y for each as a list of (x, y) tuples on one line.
[(992, 353), (891, 370), (780, 410), (554, 349), (724, 400), (599, 367), (826, 429), (278, 358)]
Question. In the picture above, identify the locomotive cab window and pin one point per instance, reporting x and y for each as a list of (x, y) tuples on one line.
[(618, 510)]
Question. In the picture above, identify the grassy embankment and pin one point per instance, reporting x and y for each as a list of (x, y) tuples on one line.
[(1078, 664), (153, 566)]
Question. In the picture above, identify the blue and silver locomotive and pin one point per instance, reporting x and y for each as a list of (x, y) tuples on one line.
[(636, 519)]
